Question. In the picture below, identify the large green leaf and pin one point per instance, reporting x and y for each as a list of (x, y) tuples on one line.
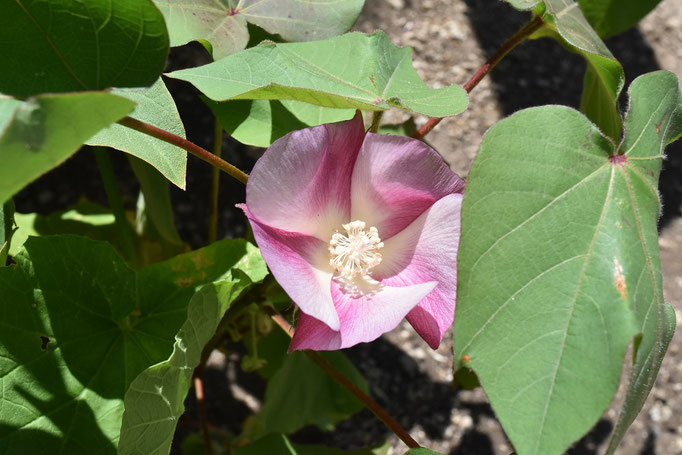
[(261, 122), (156, 107), (559, 264), (610, 17), (78, 326), (45, 130), (604, 77), (69, 45), (366, 72), (650, 125), (223, 23), (318, 399), (155, 400)]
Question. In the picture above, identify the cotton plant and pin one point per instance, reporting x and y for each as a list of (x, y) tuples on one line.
[(109, 317)]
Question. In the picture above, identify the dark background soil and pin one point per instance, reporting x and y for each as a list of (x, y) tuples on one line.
[(451, 39)]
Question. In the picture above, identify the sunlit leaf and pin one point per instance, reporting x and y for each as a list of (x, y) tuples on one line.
[(366, 72), (156, 107), (67, 45), (558, 282), (223, 23), (261, 122), (45, 130)]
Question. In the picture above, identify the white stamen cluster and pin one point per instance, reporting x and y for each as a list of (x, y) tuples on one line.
[(356, 252)]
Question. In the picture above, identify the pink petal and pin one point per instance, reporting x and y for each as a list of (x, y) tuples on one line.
[(302, 182), (363, 318), (426, 251), (300, 263), (395, 180)]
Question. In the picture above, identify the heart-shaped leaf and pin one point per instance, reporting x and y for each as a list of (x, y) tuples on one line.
[(43, 131), (78, 326), (559, 264), (67, 45), (223, 23), (366, 72)]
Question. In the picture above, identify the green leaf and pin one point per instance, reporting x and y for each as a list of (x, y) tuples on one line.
[(155, 400), (225, 27), (67, 45), (560, 279), (261, 122), (6, 229), (78, 326), (611, 17), (318, 398), (156, 107), (604, 77), (157, 207), (45, 130), (367, 72), (653, 121), (84, 218), (279, 444), (523, 5)]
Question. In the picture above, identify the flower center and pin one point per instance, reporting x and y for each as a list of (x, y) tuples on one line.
[(356, 252)]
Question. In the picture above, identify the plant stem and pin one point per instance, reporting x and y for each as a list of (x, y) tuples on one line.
[(372, 405), (125, 230), (376, 120), (203, 417), (215, 184), (499, 54), (183, 143)]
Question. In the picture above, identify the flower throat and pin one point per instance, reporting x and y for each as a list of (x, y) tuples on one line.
[(357, 252)]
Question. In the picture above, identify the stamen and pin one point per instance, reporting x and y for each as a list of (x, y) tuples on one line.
[(357, 252)]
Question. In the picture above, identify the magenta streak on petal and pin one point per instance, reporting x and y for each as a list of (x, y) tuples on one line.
[(300, 264), (302, 181), (395, 180), (426, 251), (363, 318)]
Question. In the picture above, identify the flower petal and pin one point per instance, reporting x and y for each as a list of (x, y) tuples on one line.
[(426, 251), (300, 265), (395, 180), (302, 182), (363, 318)]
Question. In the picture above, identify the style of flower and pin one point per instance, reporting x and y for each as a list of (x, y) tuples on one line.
[(361, 230)]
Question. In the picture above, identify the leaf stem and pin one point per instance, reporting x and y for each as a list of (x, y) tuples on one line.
[(183, 143), (203, 417), (489, 64), (125, 230), (215, 184), (372, 405), (376, 120)]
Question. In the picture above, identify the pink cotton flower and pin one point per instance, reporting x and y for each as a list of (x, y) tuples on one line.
[(361, 230)]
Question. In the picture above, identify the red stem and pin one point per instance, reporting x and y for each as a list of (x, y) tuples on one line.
[(372, 405), (503, 50), (203, 417), (183, 143)]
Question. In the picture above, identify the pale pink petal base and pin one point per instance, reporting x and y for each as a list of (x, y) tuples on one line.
[(300, 265), (426, 251), (363, 318), (302, 183), (395, 180)]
